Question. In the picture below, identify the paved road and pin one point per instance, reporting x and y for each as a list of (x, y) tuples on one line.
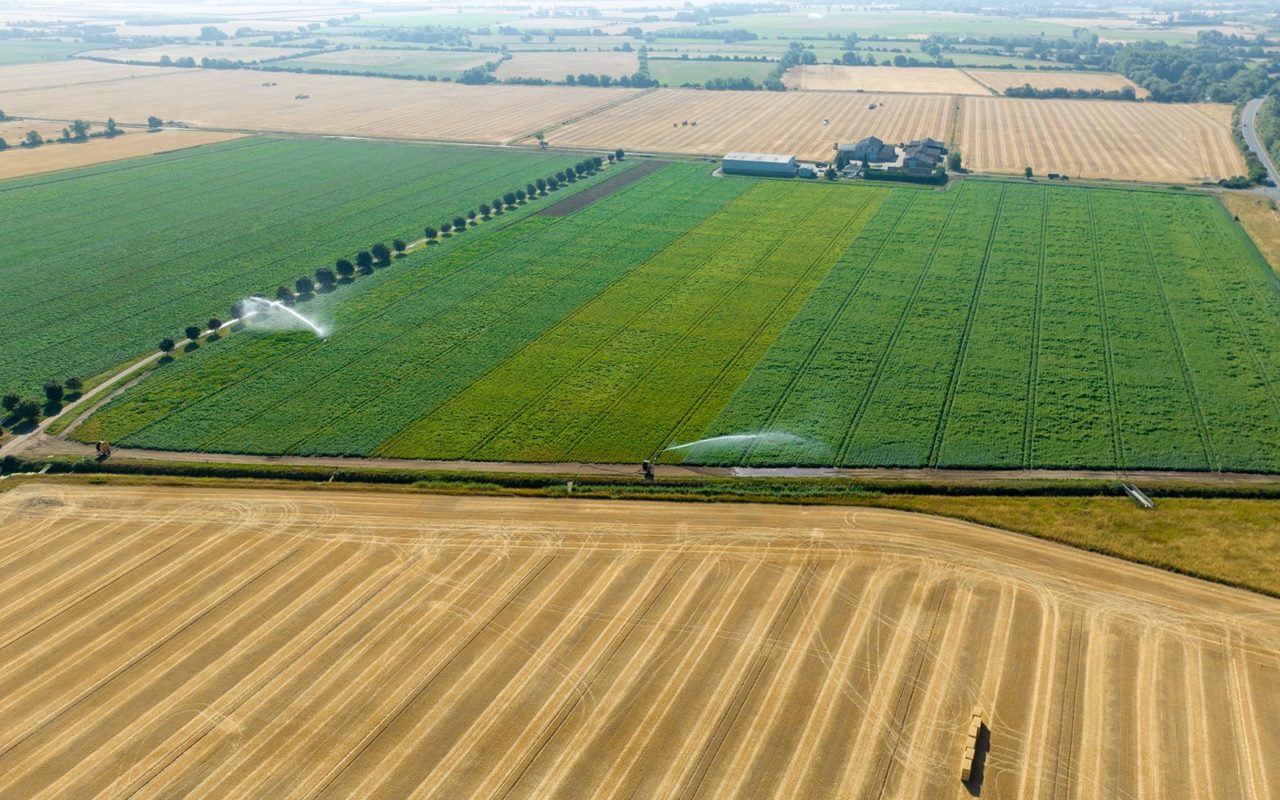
[(1247, 122)]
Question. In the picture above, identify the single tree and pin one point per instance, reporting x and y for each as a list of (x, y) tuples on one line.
[(445, 228), (552, 183), (398, 245), (237, 309), (497, 205), (571, 176), (381, 252), (10, 401), (581, 169), (364, 259), (830, 173), (598, 161), (541, 183), (284, 294), (79, 130), (53, 391), (1028, 172), (112, 128), (166, 345), (214, 324), (510, 199), (612, 158), (154, 123), (485, 210), (74, 385), (305, 286), (530, 191), (953, 161), (618, 154), (192, 332), (325, 277), (3, 144), (520, 195), (471, 215), (32, 139), (430, 233), (27, 409), (459, 223), (345, 268)]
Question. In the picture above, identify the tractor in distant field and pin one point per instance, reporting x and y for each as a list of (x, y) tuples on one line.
[(646, 467), (103, 448)]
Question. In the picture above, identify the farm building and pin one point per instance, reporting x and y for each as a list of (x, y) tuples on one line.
[(922, 154), (762, 164), (870, 149)]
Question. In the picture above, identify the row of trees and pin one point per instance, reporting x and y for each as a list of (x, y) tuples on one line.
[(21, 409)]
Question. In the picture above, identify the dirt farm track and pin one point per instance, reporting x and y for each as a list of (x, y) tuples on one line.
[(165, 642)]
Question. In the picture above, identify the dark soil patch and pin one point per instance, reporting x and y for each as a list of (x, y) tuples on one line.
[(604, 188)]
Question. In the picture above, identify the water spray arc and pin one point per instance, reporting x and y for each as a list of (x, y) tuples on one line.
[(261, 305)]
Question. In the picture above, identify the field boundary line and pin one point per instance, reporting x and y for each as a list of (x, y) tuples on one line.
[(801, 370), (1210, 455), (591, 112), (764, 322), (968, 74), (676, 284), (782, 240), (957, 365), (1108, 358), (1037, 312), (907, 308)]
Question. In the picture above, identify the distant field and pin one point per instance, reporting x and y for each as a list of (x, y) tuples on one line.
[(778, 122), (1095, 328), (23, 51), (246, 53), (1002, 79), (677, 72), (397, 62), (819, 23), (17, 162), (102, 263), (1099, 139), (554, 66), (327, 104), (16, 79), (922, 80)]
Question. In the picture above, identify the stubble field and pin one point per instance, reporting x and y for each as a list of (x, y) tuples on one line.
[(51, 157), (1001, 79), (768, 122), (554, 66), (243, 643), (1100, 139), (922, 80)]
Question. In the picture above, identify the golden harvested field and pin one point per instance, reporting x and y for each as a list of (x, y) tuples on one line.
[(1261, 220), (918, 80), (239, 643), (53, 74), (17, 162), (768, 122), (554, 66), (1099, 139), (357, 106), (1001, 79)]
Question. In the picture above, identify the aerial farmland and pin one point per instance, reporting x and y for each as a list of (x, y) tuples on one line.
[(720, 400)]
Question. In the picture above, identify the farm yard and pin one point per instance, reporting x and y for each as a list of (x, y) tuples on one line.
[(224, 643), (147, 247), (817, 314), (1000, 79), (921, 80), (554, 66), (790, 122), (1161, 142)]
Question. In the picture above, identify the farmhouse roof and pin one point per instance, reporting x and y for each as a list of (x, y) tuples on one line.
[(865, 142), (768, 158)]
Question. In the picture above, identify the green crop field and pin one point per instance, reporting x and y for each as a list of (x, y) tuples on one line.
[(27, 51), (994, 324), (101, 263), (677, 72)]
